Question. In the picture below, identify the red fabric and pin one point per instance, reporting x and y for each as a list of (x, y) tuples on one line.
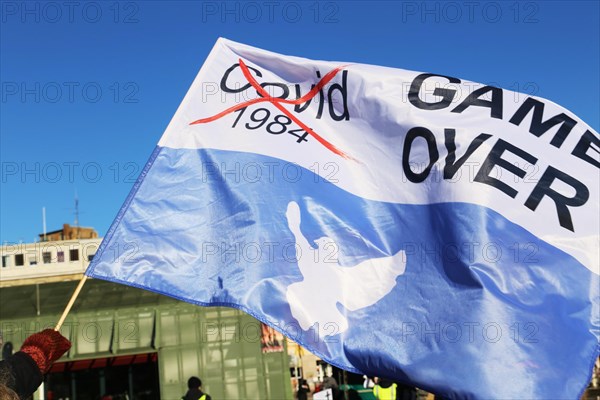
[(45, 347)]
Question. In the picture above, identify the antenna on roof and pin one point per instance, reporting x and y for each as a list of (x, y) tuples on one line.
[(44, 221), (77, 213)]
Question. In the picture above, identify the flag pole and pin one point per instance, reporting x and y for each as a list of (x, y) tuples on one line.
[(70, 304)]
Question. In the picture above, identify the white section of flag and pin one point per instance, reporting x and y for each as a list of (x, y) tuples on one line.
[(380, 116)]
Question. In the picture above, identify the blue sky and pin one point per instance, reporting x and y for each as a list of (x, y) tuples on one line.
[(88, 88)]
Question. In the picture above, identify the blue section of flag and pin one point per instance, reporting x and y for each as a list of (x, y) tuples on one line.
[(484, 309)]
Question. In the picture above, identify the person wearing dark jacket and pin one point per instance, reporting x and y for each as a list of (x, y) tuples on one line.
[(303, 390), (194, 392), (23, 372)]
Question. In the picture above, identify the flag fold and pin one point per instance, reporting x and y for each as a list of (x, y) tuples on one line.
[(414, 226)]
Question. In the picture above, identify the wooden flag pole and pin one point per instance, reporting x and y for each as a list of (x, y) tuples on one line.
[(70, 304)]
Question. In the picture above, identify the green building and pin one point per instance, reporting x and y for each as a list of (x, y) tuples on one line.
[(130, 343)]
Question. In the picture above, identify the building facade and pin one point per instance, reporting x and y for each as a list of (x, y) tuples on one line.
[(69, 232), (130, 343)]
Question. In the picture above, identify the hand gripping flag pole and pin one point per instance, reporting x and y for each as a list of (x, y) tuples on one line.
[(70, 303)]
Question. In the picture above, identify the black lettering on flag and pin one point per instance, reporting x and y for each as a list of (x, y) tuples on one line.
[(451, 166), (227, 89), (585, 143), (495, 104), (343, 89), (446, 94), (434, 155), (321, 99), (282, 86), (562, 203), (495, 158), (538, 127), (301, 107)]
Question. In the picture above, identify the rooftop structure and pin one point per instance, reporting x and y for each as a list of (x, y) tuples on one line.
[(69, 232), (45, 262)]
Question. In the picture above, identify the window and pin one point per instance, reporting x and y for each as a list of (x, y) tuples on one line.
[(5, 261), (91, 257), (19, 260), (47, 257), (32, 260), (61, 256), (74, 255)]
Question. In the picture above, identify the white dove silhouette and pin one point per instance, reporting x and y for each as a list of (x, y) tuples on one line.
[(326, 283)]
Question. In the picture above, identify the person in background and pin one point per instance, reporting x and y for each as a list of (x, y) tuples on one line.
[(385, 389), (303, 390), (329, 382), (368, 382), (194, 392), (23, 372)]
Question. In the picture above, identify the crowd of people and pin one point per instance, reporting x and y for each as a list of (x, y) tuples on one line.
[(22, 373), (382, 389)]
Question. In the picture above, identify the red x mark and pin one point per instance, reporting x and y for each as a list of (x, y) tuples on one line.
[(277, 102)]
